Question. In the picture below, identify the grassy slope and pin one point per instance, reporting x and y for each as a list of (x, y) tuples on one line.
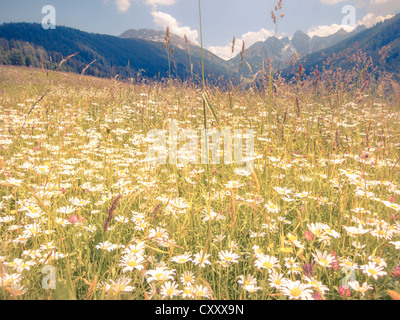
[(112, 54)]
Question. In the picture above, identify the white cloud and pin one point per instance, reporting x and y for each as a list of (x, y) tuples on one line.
[(123, 5), (378, 1), (161, 2), (371, 19), (368, 20), (331, 2), (249, 38), (252, 37), (165, 20), (161, 19), (224, 52), (324, 31)]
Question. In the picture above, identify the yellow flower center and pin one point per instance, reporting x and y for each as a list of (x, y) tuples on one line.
[(170, 291), (120, 288), (267, 264), (132, 264), (295, 292), (372, 271), (200, 293), (159, 276), (324, 262)]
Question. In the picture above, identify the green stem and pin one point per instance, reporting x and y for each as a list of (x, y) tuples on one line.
[(201, 42), (389, 274)]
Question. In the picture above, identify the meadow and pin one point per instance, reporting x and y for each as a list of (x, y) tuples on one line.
[(84, 215)]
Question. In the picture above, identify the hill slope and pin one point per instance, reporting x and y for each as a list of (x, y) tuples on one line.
[(377, 47), (27, 44)]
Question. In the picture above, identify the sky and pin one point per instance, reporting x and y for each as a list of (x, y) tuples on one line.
[(246, 20)]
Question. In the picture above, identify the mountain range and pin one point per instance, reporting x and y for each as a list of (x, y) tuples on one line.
[(376, 48), (144, 52), (281, 50)]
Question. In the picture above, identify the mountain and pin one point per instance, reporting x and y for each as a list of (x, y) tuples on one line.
[(302, 43), (282, 50), (377, 47), (29, 44), (156, 36), (257, 55), (212, 61), (322, 43)]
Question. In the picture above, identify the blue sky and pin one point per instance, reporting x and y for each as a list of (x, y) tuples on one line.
[(248, 20)]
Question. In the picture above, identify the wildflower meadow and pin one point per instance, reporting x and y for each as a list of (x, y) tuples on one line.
[(272, 189), (86, 214)]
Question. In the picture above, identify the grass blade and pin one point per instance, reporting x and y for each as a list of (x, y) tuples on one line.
[(205, 97)]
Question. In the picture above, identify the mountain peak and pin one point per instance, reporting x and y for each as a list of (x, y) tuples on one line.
[(301, 42), (299, 34), (341, 31), (155, 36)]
